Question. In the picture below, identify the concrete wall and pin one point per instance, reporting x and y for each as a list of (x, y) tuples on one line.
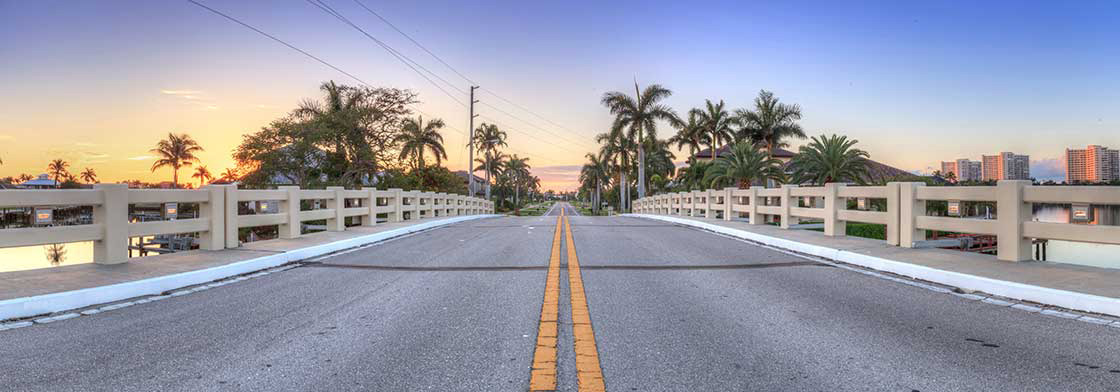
[(905, 217), (218, 220)]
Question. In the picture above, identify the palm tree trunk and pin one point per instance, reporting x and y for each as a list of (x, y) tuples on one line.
[(487, 178), (622, 192), (175, 177), (641, 164)]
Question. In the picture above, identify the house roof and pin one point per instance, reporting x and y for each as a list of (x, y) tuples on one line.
[(463, 174), (707, 152), (43, 180)]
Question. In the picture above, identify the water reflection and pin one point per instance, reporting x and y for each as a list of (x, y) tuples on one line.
[(56, 254), (1083, 253)]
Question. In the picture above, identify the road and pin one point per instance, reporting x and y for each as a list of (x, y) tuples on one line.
[(559, 208), (460, 308)]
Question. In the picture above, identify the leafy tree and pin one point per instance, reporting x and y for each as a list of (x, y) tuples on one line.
[(419, 137), (770, 123), (431, 178), (286, 149), (57, 170), (639, 115), (744, 165), (89, 176), (176, 151), (203, 175), (830, 159)]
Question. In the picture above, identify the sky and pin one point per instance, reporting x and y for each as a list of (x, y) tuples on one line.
[(98, 83)]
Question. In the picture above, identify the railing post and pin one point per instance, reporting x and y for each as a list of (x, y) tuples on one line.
[(215, 210), (909, 208), (370, 202), (728, 202), (337, 203), (398, 205), (1012, 212), (708, 204), (290, 207), (833, 203), (786, 204), (112, 215), (753, 216), (231, 217), (893, 215)]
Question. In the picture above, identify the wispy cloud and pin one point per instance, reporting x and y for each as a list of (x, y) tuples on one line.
[(141, 158), (193, 97), (6, 137)]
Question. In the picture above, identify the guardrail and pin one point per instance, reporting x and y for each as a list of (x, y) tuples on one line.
[(905, 214), (219, 213)]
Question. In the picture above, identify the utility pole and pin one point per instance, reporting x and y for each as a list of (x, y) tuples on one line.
[(470, 154)]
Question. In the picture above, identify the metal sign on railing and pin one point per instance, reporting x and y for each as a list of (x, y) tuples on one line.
[(1080, 213), (44, 215), (170, 211), (954, 208)]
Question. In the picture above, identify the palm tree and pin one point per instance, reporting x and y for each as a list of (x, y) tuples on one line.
[(338, 120), (745, 164), (89, 176), (616, 152), (202, 174), (57, 170), (951, 177), (24, 177), (176, 151), (691, 133), (417, 137), (518, 171), (691, 178), (770, 123), (830, 159), (230, 175), (640, 114), (487, 140), (595, 175), (717, 123)]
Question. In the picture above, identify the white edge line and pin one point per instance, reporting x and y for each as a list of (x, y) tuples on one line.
[(1045, 295), (56, 302)]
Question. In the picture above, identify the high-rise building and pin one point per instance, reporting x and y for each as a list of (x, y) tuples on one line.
[(1006, 166), (962, 169), (1092, 164)]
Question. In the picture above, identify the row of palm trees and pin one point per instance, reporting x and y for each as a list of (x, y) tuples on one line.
[(752, 133)]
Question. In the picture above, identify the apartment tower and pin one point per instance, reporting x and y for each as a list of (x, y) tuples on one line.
[(1092, 164)]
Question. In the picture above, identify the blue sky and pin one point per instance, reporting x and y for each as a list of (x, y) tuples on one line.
[(916, 83)]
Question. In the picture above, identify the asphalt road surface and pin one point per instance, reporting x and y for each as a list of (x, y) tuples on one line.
[(566, 208), (460, 308)]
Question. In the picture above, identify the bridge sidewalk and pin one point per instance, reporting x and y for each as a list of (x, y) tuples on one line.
[(26, 286), (1078, 287)]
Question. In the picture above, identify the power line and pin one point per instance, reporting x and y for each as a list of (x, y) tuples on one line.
[(331, 66), (399, 56), (426, 50)]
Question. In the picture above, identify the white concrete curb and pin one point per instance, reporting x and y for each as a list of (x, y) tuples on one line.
[(67, 300), (1061, 298)]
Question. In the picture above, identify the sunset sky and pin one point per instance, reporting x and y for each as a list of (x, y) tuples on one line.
[(99, 82)]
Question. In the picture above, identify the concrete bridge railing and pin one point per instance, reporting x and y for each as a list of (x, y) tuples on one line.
[(905, 214), (221, 211)]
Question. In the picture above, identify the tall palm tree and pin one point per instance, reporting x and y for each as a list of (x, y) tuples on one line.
[(717, 122), (418, 137), (640, 114), (770, 123), (691, 133), (616, 150), (176, 151), (518, 170), (691, 178), (660, 159), (487, 140), (742, 166), (338, 119), (202, 174), (830, 159), (89, 176), (230, 175), (595, 175), (57, 170)]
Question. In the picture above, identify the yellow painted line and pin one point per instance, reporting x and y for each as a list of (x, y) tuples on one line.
[(588, 371), (543, 372)]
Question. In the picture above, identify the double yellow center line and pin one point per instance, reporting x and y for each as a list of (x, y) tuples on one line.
[(588, 370)]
